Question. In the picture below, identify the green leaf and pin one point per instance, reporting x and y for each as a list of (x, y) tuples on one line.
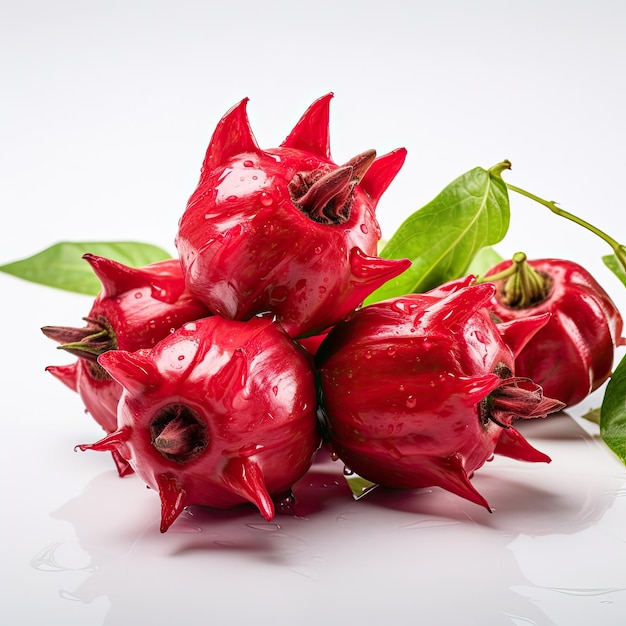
[(610, 260), (592, 415), (613, 412), (443, 237), (61, 265), (485, 259)]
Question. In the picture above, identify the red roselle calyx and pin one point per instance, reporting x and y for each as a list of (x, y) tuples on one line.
[(573, 354), (217, 414), (135, 308), (286, 230), (421, 390)]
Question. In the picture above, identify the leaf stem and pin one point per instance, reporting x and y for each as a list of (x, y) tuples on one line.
[(618, 248)]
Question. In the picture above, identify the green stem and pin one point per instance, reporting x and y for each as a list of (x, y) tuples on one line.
[(523, 287), (618, 249)]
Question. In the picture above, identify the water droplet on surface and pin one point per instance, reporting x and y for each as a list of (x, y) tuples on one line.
[(61, 557), (266, 199), (264, 527)]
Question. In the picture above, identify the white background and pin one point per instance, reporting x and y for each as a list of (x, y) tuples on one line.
[(106, 111)]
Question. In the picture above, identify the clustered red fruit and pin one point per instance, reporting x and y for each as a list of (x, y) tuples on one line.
[(218, 375)]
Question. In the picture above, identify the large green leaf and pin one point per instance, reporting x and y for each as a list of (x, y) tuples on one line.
[(613, 412), (62, 266), (443, 237)]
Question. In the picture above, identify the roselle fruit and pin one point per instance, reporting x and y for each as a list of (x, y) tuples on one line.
[(285, 230), (135, 308), (421, 390), (573, 354), (218, 413)]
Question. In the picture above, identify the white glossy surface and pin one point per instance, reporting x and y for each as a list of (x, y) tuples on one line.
[(106, 116)]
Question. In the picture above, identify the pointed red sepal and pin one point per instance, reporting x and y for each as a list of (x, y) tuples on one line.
[(124, 468), (458, 307), (110, 443), (373, 271), (117, 278), (67, 374), (134, 371), (452, 285), (381, 173), (245, 478), (173, 497), (518, 332), (232, 136), (231, 377), (311, 133), (513, 445), (450, 474)]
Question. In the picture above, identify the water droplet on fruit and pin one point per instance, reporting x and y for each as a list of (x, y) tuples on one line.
[(248, 163), (275, 390), (391, 351), (411, 402), (266, 199), (138, 295), (317, 249), (322, 290), (181, 357), (364, 229)]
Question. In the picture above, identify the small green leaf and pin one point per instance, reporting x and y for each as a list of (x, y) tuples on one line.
[(610, 260), (613, 412), (443, 237), (592, 415), (61, 265), (485, 259)]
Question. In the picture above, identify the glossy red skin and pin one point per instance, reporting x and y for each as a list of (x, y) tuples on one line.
[(249, 258), (247, 249), (251, 385), (573, 354), (139, 315), (401, 382)]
